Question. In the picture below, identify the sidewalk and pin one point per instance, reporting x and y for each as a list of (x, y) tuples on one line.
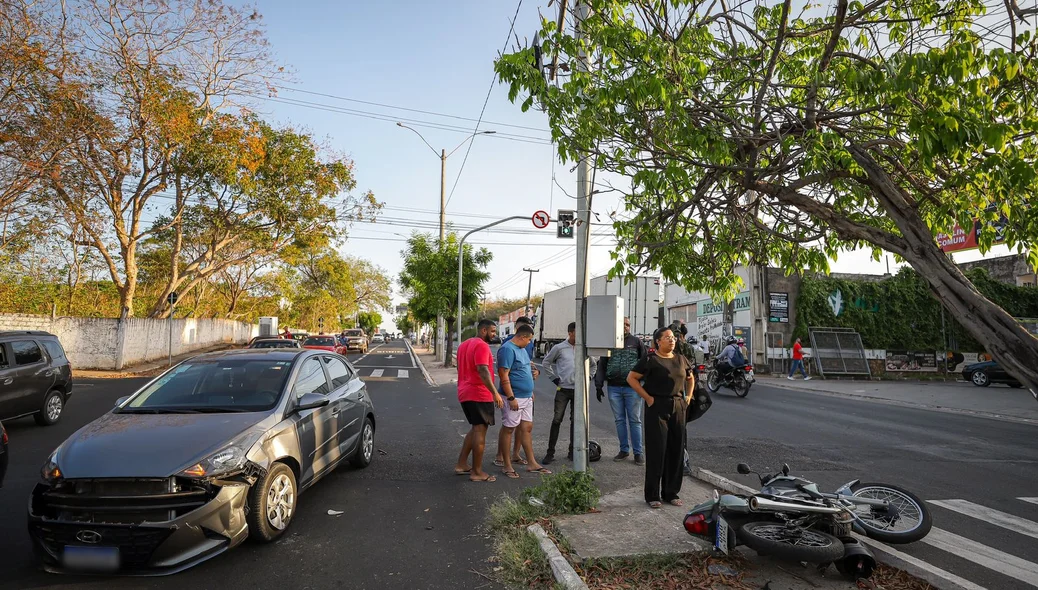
[(148, 369), (997, 401)]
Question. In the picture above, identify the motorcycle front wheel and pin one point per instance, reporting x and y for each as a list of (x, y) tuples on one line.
[(713, 381), (907, 521), (791, 542)]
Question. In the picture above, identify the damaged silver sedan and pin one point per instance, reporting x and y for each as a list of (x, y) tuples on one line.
[(212, 452)]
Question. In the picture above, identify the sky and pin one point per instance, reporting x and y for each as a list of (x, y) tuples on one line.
[(438, 57)]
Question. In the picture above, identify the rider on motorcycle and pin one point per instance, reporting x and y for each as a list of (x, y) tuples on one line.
[(730, 358)]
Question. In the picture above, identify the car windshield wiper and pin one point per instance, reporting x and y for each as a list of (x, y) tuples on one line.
[(220, 409), (157, 411)]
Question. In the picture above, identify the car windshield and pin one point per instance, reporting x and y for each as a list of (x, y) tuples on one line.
[(276, 344), (354, 333), (320, 341), (216, 385)]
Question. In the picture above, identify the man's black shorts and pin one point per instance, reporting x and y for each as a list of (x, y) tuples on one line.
[(479, 413)]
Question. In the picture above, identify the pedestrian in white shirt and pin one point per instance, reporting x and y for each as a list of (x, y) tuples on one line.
[(560, 364)]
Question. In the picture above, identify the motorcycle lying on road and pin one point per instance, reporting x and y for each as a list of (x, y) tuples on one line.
[(738, 379), (791, 519)]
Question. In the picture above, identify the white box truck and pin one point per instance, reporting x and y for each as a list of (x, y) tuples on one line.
[(268, 326), (641, 304)]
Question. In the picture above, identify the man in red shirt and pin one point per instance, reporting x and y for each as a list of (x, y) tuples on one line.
[(478, 396), (798, 361)]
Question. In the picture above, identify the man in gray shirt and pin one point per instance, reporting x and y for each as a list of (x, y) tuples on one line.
[(560, 364)]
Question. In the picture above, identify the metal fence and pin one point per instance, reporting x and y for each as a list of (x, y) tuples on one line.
[(838, 351)]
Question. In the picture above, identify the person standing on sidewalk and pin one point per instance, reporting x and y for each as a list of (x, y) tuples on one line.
[(798, 362), (560, 364), (478, 396), (624, 401), (664, 380), (516, 458), (517, 382)]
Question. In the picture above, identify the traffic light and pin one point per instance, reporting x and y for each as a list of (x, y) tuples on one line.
[(566, 223)]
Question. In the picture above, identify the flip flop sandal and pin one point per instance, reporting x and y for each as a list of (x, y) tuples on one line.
[(456, 472), (520, 461), (655, 505), (489, 479), (543, 470), (511, 474), (499, 463), (676, 502)]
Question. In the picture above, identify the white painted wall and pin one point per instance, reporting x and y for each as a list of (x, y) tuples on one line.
[(102, 343)]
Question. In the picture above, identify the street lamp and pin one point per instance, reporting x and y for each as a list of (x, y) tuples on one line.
[(443, 155)]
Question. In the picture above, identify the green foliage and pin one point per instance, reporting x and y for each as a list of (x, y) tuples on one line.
[(900, 312), (404, 324), (370, 321), (566, 492)]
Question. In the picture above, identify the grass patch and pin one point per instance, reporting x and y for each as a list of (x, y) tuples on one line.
[(665, 572)]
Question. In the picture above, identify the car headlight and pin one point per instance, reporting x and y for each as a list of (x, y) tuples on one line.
[(50, 472), (228, 459)]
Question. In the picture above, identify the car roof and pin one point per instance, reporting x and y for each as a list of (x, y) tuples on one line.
[(6, 333), (248, 354)]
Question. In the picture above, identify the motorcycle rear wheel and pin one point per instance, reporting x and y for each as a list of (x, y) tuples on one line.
[(792, 543), (913, 511), (741, 386)]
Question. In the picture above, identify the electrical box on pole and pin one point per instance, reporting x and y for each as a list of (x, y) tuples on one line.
[(565, 224)]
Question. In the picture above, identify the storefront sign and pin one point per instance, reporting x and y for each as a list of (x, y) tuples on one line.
[(778, 306), (916, 362), (708, 307)]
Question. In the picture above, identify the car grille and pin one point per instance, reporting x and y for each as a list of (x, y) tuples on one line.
[(123, 501), (136, 544)]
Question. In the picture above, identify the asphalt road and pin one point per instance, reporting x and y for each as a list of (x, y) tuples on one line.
[(406, 522), (409, 522)]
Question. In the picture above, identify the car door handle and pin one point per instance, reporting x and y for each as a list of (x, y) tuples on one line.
[(8, 381), (336, 410)]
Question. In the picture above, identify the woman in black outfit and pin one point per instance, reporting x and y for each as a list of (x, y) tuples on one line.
[(664, 380)]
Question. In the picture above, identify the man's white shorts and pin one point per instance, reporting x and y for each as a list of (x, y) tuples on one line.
[(511, 418)]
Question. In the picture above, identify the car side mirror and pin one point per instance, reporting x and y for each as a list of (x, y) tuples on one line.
[(743, 469), (310, 401), (785, 469), (120, 401)]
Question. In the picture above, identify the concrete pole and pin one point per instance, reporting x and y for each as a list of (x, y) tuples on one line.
[(440, 335), (529, 287), (583, 234)]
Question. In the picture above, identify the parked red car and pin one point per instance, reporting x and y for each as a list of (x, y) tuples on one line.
[(324, 342)]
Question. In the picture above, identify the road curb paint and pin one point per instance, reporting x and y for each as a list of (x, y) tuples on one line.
[(937, 577), (417, 360), (560, 567)]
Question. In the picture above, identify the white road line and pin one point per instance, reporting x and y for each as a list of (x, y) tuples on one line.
[(401, 374), (1031, 500), (996, 517), (377, 373), (982, 555)]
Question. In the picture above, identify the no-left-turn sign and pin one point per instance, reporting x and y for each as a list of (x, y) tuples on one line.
[(541, 219)]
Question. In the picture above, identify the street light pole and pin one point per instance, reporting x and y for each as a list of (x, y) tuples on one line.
[(439, 341), (461, 259), (529, 286)]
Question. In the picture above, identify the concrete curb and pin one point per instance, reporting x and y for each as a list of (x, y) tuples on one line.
[(560, 566), (903, 404), (938, 578), (421, 365)]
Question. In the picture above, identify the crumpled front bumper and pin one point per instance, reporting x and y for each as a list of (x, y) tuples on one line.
[(148, 548)]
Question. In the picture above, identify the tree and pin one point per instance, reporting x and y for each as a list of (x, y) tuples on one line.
[(154, 75), (404, 324), (430, 277), (754, 133), (369, 321)]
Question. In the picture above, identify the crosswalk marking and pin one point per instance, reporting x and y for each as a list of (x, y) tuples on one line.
[(1031, 500), (401, 374), (996, 517), (377, 373), (983, 555)]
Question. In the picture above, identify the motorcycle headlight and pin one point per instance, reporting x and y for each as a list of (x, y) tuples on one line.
[(50, 472), (228, 459)]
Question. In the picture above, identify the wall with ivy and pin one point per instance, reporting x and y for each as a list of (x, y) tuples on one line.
[(900, 313)]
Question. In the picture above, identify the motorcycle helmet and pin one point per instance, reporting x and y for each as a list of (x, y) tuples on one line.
[(594, 451), (730, 340)]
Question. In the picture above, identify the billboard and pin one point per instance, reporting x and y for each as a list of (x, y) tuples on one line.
[(963, 239)]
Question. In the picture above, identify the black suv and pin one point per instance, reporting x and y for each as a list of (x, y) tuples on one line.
[(35, 377)]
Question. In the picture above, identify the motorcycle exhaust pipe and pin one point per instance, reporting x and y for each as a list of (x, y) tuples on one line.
[(765, 505)]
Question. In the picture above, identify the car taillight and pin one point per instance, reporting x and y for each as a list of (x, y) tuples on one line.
[(696, 524), (3, 436)]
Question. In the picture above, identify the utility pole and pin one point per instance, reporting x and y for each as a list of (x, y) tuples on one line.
[(529, 286), (581, 369)]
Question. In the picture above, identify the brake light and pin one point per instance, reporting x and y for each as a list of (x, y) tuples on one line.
[(749, 367), (695, 524), (702, 367), (3, 437)]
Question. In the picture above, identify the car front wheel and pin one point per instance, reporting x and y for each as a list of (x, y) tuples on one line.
[(53, 406), (366, 447), (272, 503), (980, 379)]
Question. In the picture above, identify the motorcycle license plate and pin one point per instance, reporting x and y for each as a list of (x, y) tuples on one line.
[(749, 376), (721, 540)]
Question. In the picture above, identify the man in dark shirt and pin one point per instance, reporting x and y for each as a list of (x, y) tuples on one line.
[(624, 401)]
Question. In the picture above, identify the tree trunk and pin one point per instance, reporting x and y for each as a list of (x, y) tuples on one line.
[(999, 333), (448, 360)]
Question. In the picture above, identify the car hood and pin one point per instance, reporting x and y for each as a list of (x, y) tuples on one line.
[(148, 445)]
